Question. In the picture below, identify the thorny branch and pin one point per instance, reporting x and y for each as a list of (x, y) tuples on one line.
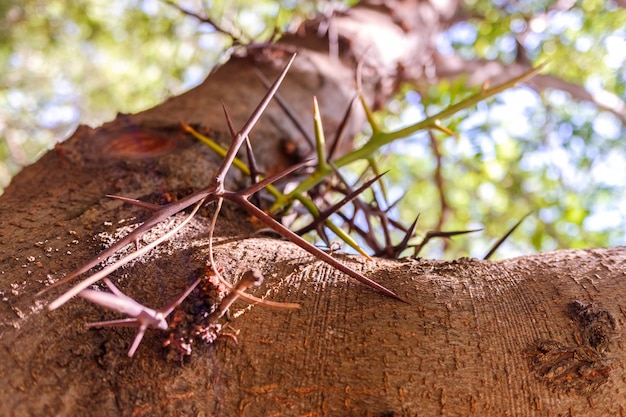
[(371, 220), (214, 191), (373, 212)]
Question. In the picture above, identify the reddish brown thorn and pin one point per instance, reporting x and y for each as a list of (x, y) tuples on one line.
[(112, 267), (435, 233), (242, 201), (290, 114), (340, 130), (325, 214), (394, 252), (134, 236), (500, 241), (138, 203), (252, 165), (245, 131), (273, 178), (140, 316)]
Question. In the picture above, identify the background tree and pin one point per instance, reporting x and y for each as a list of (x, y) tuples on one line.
[(530, 336)]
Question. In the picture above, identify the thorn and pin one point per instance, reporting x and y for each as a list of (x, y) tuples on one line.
[(340, 130), (294, 238), (273, 178), (437, 233), (500, 241), (288, 111), (325, 214), (140, 316), (252, 120), (138, 203), (110, 268)]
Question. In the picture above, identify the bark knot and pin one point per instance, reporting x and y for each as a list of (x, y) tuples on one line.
[(582, 365)]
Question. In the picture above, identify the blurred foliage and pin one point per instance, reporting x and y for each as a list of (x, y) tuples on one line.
[(61, 62), (524, 151)]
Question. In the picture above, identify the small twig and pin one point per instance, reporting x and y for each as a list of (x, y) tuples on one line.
[(444, 208), (205, 19)]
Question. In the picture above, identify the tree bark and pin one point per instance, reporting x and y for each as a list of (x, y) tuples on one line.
[(532, 336)]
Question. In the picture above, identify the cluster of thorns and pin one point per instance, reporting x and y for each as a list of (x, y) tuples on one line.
[(142, 317)]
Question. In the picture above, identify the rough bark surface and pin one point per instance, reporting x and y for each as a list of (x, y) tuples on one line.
[(532, 336)]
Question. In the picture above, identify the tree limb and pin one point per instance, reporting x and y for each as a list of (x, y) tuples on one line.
[(480, 71)]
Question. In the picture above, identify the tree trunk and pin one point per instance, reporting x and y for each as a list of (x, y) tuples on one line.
[(532, 336)]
